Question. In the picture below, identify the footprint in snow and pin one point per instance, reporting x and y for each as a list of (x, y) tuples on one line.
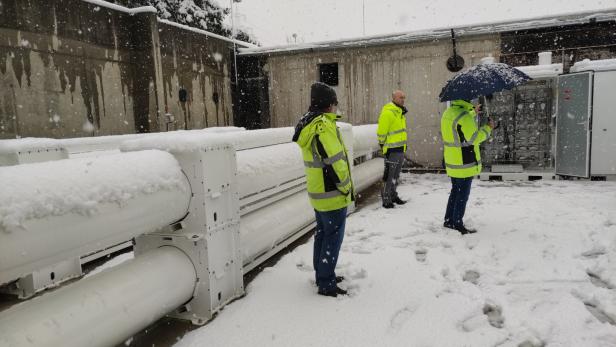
[(360, 250), (495, 315), (598, 281), (532, 343), (303, 266), (594, 253), (421, 255), (471, 276), (400, 317)]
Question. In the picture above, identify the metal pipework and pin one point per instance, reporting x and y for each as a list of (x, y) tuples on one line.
[(368, 173), (105, 309), (364, 139), (42, 240), (271, 228), (162, 279), (264, 230)]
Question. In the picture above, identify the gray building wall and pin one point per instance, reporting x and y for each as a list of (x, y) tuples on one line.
[(368, 75), (199, 65), (69, 63)]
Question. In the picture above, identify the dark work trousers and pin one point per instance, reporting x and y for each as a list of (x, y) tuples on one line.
[(393, 165), (327, 240), (458, 197)]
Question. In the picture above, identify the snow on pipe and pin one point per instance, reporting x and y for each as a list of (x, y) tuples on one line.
[(55, 210), (364, 139), (259, 168), (96, 143), (186, 141), (106, 309), (266, 167), (368, 173)]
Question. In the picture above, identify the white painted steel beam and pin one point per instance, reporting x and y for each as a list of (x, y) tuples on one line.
[(106, 309)]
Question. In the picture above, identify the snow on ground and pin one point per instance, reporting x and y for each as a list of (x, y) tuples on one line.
[(544, 258)]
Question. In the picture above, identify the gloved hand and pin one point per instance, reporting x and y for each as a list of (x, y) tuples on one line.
[(491, 123)]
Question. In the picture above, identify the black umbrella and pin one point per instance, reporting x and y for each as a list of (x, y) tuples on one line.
[(482, 79)]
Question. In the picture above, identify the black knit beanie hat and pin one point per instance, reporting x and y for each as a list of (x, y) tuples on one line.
[(322, 96)]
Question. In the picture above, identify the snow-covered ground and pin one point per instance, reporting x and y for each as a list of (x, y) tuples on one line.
[(541, 271)]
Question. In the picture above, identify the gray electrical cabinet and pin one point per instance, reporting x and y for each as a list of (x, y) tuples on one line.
[(586, 124)]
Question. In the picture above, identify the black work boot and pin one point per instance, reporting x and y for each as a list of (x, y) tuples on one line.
[(464, 230), (388, 205), (399, 201), (333, 293)]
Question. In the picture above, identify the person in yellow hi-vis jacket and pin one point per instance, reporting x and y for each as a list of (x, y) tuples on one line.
[(392, 136), (328, 182), (461, 138)]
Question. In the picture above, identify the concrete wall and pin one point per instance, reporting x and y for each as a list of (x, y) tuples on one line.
[(367, 76), (199, 65), (69, 68)]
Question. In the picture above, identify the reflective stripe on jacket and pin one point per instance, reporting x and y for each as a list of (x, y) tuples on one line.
[(326, 162), (391, 131)]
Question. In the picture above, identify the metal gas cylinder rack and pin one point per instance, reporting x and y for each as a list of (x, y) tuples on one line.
[(524, 135)]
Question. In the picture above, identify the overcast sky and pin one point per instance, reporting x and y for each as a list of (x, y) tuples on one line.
[(273, 22)]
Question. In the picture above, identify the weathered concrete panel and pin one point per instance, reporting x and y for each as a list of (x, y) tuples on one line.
[(65, 70), (199, 65), (72, 68), (368, 75)]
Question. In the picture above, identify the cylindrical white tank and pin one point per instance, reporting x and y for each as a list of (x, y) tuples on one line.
[(364, 139), (56, 210), (263, 229), (545, 58), (106, 309), (368, 173), (266, 167)]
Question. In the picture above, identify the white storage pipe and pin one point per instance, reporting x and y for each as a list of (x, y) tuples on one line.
[(262, 230), (57, 210), (105, 309), (266, 167), (364, 139), (113, 142), (368, 173)]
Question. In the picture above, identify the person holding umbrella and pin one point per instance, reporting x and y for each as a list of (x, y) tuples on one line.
[(462, 134), (461, 138)]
